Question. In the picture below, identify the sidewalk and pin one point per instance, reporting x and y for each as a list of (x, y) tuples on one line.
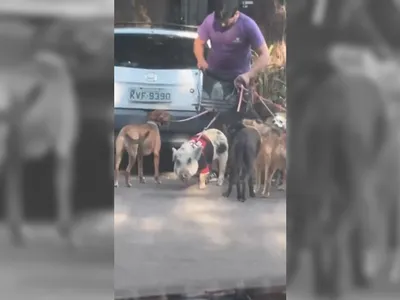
[(174, 240)]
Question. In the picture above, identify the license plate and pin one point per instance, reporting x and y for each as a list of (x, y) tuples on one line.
[(142, 94)]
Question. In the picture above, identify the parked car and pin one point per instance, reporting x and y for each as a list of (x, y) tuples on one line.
[(155, 68)]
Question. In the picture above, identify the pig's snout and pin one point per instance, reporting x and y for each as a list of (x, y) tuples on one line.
[(184, 176)]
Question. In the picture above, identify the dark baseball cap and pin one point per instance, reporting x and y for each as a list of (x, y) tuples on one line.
[(225, 9)]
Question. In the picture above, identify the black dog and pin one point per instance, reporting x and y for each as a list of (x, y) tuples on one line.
[(245, 145)]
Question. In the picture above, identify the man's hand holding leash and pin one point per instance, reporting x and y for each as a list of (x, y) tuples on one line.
[(246, 79), (202, 64)]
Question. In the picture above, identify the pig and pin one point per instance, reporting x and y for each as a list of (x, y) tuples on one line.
[(197, 155)]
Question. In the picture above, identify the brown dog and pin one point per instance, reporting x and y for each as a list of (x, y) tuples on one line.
[(272, 157), (140, 140)]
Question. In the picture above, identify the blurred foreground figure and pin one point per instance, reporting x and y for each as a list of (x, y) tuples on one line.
[(343, 173), (40, 114)]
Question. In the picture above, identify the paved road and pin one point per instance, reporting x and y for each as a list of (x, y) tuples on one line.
[(172, 238)]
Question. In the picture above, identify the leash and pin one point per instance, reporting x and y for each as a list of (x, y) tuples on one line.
[(242, 89), (191, 118), (208, 126), (196, 116), (260, 98), (241, 100), (263, 100), (240, 97)]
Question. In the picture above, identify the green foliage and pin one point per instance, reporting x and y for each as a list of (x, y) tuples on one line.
[(271, 83)]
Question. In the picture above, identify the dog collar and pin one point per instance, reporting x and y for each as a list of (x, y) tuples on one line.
[(152, 123)]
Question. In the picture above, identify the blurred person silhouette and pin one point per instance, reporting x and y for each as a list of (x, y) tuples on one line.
[(340, 144), (42, 118)]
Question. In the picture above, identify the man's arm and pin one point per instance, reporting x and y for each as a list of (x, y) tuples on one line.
[(199, 43), (198, 49), (259, 45)]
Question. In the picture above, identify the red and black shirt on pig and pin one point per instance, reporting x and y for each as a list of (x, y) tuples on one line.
[(207, 154)]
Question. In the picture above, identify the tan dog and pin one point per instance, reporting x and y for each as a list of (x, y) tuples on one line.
[(279, 120), (272, 157), (143, 139)]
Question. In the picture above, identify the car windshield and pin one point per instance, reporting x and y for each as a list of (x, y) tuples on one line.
[(153, 51)]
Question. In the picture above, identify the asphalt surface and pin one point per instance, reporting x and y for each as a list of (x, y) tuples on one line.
[(172, 238)]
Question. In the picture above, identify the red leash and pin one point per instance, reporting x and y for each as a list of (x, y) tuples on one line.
[(259, 98)]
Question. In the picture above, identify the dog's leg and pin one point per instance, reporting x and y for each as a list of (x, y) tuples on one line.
[(282, 187), (251, 186), (244, 182), (156, 161), (393, 225), (119, 147), (222, 162), (271, 173), (14, 188), (257, 185), (231, 179), (132, 159), (395, 271), (335, 266), (258, 171), (373, 227), (140, 166), (393, 242), (202, 180), (266, 172), (356, 255), (319, 278), (63, 183), (238, 188), (327, 266)]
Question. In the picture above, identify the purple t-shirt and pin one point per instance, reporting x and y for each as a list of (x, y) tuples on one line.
[(230, 53)]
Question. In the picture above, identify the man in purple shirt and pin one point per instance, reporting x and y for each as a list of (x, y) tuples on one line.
[(232, 35)]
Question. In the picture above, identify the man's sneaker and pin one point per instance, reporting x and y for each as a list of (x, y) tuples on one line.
[(213, 177)]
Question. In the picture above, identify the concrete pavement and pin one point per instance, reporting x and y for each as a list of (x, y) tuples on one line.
[(173, 238)]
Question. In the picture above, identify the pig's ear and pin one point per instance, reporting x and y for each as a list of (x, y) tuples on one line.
[(173, 154), (197, 153)]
